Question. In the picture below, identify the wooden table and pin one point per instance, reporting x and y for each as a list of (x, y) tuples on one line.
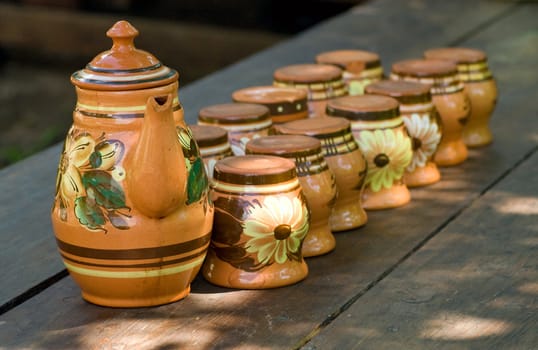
[(457, 268)]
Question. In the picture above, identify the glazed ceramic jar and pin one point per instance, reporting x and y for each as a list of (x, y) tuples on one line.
[(243, 121), (261, 220), (131, 214), (480, 87), (360, 67), (449, 99), (316, 179), (322, 82), (285, 103), (423, 126), (380, 132), (346, 162), (213, 144)]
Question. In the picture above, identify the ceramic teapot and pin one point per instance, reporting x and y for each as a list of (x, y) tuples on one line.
[(131, 214)]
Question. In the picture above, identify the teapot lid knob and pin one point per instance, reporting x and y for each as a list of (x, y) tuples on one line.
[(122, 34), (123, 67)]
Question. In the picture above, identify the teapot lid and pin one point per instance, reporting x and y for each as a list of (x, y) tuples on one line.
[(123, 67)]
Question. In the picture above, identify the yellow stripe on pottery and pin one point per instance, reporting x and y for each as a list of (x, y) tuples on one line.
[(134, 274), (254, 189), (212, 150), (376, 124)]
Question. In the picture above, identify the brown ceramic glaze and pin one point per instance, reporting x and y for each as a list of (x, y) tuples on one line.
[(261, 220), (360, 67), (346, 162), (321, 81), (480, 87), (213, 144), (422, 124), (380, 133), (243, 121), (131, 215), (316, 179), (285, 103), (449, 99)]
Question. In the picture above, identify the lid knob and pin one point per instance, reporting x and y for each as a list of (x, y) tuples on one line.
[(122, 34)]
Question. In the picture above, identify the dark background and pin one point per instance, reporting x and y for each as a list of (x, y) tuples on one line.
[(43, 41)]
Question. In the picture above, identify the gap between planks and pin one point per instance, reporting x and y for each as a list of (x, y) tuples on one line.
[(391, 268), (30, 293)]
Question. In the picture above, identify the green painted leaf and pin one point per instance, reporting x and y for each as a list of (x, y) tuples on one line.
[(104, 189), (88, 213), (196, 182), (96, 160)]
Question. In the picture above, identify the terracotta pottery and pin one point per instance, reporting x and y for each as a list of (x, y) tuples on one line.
[(380, 133), (213, 144), (285, 103), (346, 162), (321, 81), (423, 126), (316, 179), (261, 220), (480, 87), (360, 67), (131, 214), (243, 121), (449, 99)]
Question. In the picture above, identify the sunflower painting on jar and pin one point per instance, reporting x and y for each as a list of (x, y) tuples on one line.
[(388, 153)]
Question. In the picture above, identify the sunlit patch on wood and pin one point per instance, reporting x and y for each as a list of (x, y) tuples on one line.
[(454, 326)]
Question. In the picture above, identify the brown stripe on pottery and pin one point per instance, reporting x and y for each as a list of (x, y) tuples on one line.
[(353, 61), (423, 68), (233, 113), (133, 254), (78, 79), (208, 135), (145, 265), (123, 71), (118, 115), (406, 92), (254, 170), (364, 107)]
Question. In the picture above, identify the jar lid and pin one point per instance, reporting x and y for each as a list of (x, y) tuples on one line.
[(123, 67), (425, 68), (279, 100), (406, 92), (208, 135), (284, 145), (456, 54), (316, 127), (364, 107), (353, 61), (308, 73), (233, 113), (254, 170)]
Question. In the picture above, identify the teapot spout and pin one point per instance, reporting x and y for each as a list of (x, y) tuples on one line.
[(157, 180)]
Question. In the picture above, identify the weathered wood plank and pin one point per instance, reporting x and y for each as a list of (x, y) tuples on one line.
[(475, 285), (281, 318), (423, 19)]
